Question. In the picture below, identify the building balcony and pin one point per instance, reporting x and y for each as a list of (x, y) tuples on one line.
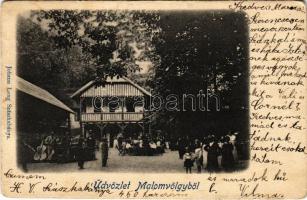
[(112, 117)]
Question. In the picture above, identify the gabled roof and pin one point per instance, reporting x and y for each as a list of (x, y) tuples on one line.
[(110, 80), (39, 93)]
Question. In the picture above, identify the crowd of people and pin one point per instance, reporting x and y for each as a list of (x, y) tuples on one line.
[(139, 146), (211, 153)]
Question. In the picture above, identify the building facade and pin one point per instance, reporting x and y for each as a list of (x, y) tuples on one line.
[(114, 106)]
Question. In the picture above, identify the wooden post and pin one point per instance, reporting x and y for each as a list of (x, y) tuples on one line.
[(101, 131), (122, 105), (82, 130), (122, 127), (68, 122), (143, 128), (80, 114), (101, 128)]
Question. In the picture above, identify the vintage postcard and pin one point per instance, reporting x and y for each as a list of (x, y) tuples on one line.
[(153, 100)]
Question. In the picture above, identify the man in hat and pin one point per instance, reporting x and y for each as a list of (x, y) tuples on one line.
[(104, 152), (80, 154), (91, 145)]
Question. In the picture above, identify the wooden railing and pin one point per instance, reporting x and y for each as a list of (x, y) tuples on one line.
[(112, 117)]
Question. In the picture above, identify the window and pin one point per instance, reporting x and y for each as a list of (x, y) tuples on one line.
[(130, 105), (97, 107)]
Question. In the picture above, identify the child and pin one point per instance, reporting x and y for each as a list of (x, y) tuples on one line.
[(188, 161)]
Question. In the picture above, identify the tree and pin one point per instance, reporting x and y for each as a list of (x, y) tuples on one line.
[(45, 64), (203, 51), (115, 40)]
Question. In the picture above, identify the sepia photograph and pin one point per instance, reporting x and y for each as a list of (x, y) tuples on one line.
[(150, 91)]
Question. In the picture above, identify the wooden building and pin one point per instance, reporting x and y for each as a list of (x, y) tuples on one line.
[(116, 106), (38, 114), (38, 110)]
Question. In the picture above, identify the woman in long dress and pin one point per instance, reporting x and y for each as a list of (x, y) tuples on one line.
[(227, 155), (205, 142), (220, 144), (233, 140), (212, 157)]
